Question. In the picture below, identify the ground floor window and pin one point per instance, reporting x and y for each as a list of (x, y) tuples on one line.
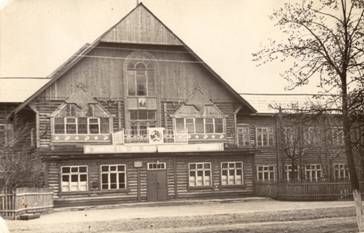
[(341, 171), (313, 172), (232, 173), (265, 173), (291, 172), (199, 174), (113, 176), (74, 178)]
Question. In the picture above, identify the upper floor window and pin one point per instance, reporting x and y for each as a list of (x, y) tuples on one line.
[(311, 135), (290, 136), (81, 125), (336, 136), (141, 120), (2, 135), (265, 136), (140, 80), (244, 135), (200, 125)]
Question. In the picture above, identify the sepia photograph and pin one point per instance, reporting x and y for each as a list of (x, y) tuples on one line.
[(181, 116)]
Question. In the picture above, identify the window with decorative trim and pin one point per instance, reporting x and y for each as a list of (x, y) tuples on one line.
[(74, 178), (81, 125), (336, 136), (113, 176), (200, 125), (341, 171), (199, 174), (266, 173), (264, 136), (232, 173), (313, 172)]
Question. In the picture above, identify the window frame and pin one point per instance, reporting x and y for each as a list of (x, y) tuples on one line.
[(159, 166), (196, 170), (234, 169), (204, 124), (269, 135), (69, 174), (109, 172), (77, 125), (338, 168), (266, 168), (246, 142), (313, 172), (288, 170)]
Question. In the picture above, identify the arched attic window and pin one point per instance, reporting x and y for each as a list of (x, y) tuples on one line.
[(140, 69)]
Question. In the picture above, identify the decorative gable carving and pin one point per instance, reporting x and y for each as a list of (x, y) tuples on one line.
[(80, 104), (198, 105)]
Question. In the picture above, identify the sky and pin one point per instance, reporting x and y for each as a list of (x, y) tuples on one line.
[(36, 36)]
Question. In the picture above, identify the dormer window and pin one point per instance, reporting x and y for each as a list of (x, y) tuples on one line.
[(200, 125)]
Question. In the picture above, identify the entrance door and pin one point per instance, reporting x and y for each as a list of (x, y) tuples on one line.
[(157, 185)]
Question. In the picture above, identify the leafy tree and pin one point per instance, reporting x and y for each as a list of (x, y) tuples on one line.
[(325, 41)]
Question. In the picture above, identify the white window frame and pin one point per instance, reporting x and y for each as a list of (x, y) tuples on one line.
[(77, 125), (98, 124), (204, 124), (269, 134), (158, 166), (313, 170), (194, 181), (245, 137), (235, 179), (79, 186), (288, 170), (109, 172), (341, 171), (268, 169)]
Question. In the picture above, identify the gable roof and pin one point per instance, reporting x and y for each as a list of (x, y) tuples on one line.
[(111, 35)]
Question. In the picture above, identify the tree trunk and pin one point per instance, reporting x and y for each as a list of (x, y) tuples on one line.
[(349, 152), (358, 209)]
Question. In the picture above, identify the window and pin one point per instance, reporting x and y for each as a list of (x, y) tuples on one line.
[(291, 174), (140, 120), (232, 173), (243, 135), (81, 125), (265, 173), (2, 135), (265, 136), (336, 136), (157, 166), (113, 177), (200, 125), (140, 81), (341, 171), (290, 136), (74, 178), (199, 174), (311, 135), (313, 172)]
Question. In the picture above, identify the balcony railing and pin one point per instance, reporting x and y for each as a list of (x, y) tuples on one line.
[(142, 136)]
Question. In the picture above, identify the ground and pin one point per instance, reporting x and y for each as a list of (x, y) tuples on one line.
[(248, 215)]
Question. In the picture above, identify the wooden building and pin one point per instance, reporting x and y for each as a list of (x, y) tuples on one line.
[(137, 115)]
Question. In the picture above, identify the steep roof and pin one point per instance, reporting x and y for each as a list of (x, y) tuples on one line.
[(124, 32)]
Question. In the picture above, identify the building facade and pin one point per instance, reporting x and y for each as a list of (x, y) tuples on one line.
[(137, 116)]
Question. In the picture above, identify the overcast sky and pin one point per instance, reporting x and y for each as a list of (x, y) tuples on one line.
[(38, 35)]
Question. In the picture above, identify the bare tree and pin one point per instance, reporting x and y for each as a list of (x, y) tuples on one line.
[(325, 40)]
